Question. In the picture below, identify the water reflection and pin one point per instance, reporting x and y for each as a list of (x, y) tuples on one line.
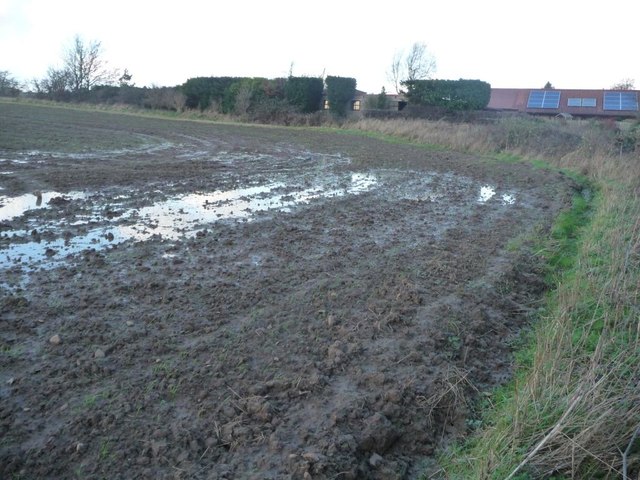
[(57, 237), (175, 218), (11, 207), (487, 192), (508, 199)]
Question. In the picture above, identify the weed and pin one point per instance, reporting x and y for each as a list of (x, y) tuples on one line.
[(91, 400), (173, 391), (105, 450), (164, 368), (78, 471), (14, 351), (454, 342), (150, 386)]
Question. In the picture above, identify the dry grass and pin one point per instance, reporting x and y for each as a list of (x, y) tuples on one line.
[(575, 403), (575, 143)]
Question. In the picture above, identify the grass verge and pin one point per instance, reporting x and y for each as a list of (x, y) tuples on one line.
[(574, 403)]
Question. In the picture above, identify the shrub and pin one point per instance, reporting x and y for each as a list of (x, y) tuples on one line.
[(273, 110), (305, 93), (9, 86), (165, 98), (340, 90), (451, 94), (201, 91)]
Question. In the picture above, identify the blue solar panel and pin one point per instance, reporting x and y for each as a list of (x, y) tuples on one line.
[(544, 99), (581, 102), (620, 101)]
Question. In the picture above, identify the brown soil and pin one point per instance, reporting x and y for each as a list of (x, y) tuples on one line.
[(345, 338)]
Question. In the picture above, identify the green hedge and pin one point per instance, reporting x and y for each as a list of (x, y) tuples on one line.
[(452, 94), (305, 93), (340, 91), (202, 91)]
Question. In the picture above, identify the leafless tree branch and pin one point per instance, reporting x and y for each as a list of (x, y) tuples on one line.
[(85, 67)]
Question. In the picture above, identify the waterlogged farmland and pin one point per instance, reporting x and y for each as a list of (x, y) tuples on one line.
[(177, 217), (196, 300)]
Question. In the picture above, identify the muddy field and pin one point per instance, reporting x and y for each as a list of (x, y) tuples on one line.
[(192, 300)]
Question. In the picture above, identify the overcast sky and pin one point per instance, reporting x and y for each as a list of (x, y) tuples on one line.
[(508, 43)]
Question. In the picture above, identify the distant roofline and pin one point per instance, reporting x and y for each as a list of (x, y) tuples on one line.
[(569, 89)]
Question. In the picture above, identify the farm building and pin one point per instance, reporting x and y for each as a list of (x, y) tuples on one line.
[(362, 101), (613, 103), (356, 104)]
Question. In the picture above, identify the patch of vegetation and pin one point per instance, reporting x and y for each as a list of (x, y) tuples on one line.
[(451, 94), (573, 405), (11, 351), (565, 236), (340, 90), (304, 93)]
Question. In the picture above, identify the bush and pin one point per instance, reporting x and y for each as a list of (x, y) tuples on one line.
[(200, 92), (451, 94), (274, 111), (230, 94), (165, 98), (305, 93), (9, 86), (340, 91)]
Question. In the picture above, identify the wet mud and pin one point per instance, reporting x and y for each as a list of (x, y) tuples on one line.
[(218, 302)]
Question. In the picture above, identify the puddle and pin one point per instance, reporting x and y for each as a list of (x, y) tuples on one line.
[(508, 199), (175, 218), (361, 182), (11, 207), (149, 144), (94, 226), (17, 162), (487, 192)]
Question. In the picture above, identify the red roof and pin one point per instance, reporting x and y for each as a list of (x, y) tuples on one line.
[(572, 101)]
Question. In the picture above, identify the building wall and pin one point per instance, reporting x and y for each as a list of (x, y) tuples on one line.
[(516, 99)]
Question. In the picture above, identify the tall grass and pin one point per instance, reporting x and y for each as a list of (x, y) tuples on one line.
[(574, 404)]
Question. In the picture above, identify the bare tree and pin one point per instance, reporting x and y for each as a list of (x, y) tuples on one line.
[(243, 99), (418, 64), (624, 84), (9, 86), (394, 74), (125, 79), (54, 84), (165, 98), (85, 67)]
